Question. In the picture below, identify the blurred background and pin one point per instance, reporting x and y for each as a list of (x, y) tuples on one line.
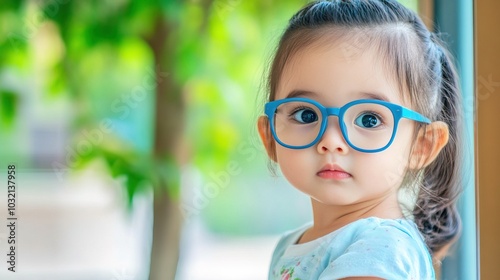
[(132, 126)]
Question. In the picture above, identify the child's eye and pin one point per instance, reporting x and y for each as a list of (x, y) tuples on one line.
[(305, 116), (368, 120)]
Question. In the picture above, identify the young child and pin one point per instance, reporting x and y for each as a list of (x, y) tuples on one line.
[(364, 104)]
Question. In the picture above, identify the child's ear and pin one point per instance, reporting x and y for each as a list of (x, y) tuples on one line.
[(266, 137), (430, 141)]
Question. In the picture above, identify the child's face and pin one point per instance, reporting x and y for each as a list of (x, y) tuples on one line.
[(331, 172)]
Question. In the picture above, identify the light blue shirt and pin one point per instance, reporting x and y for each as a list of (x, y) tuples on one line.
[(389, 249)]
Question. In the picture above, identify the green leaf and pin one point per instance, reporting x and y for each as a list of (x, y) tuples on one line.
[(9, 102), (133, 184)]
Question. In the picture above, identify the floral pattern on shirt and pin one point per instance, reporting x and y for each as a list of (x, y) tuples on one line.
[(287, 273)]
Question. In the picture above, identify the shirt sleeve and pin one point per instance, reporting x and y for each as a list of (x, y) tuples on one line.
[(383, 251)]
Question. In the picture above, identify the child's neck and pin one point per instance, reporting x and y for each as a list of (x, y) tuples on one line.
[(328, 218)]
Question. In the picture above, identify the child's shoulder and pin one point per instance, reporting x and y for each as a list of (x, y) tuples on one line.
[(385, 228), (388, 236), (393, 248)]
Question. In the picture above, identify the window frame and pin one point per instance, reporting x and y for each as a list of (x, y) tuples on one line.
[(455, 19)]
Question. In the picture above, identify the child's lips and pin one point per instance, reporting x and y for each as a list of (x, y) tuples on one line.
[(332, 171)]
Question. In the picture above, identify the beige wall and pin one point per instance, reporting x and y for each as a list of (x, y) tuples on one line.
[(487, 28)]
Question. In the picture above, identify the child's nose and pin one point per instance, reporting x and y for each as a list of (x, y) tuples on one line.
[(332, 140)]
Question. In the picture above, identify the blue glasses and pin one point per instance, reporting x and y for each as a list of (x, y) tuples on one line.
[(368, 125)]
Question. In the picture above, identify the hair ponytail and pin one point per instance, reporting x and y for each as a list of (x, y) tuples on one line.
[(435, 212)]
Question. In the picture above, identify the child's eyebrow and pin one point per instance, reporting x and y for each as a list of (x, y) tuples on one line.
[(299, 92), (361, 95), (374, 95)]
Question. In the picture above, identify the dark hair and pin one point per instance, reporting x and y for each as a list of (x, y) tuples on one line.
[(421, 66)]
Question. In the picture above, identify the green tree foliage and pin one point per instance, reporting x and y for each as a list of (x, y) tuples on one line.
[(97, 54)]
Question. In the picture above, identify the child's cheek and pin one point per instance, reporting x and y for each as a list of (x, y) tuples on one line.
[(295, 162)]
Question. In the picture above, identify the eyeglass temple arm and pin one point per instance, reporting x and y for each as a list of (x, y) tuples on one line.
[(412, 115)]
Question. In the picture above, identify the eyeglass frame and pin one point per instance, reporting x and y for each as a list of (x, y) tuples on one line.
[(398, 112)]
